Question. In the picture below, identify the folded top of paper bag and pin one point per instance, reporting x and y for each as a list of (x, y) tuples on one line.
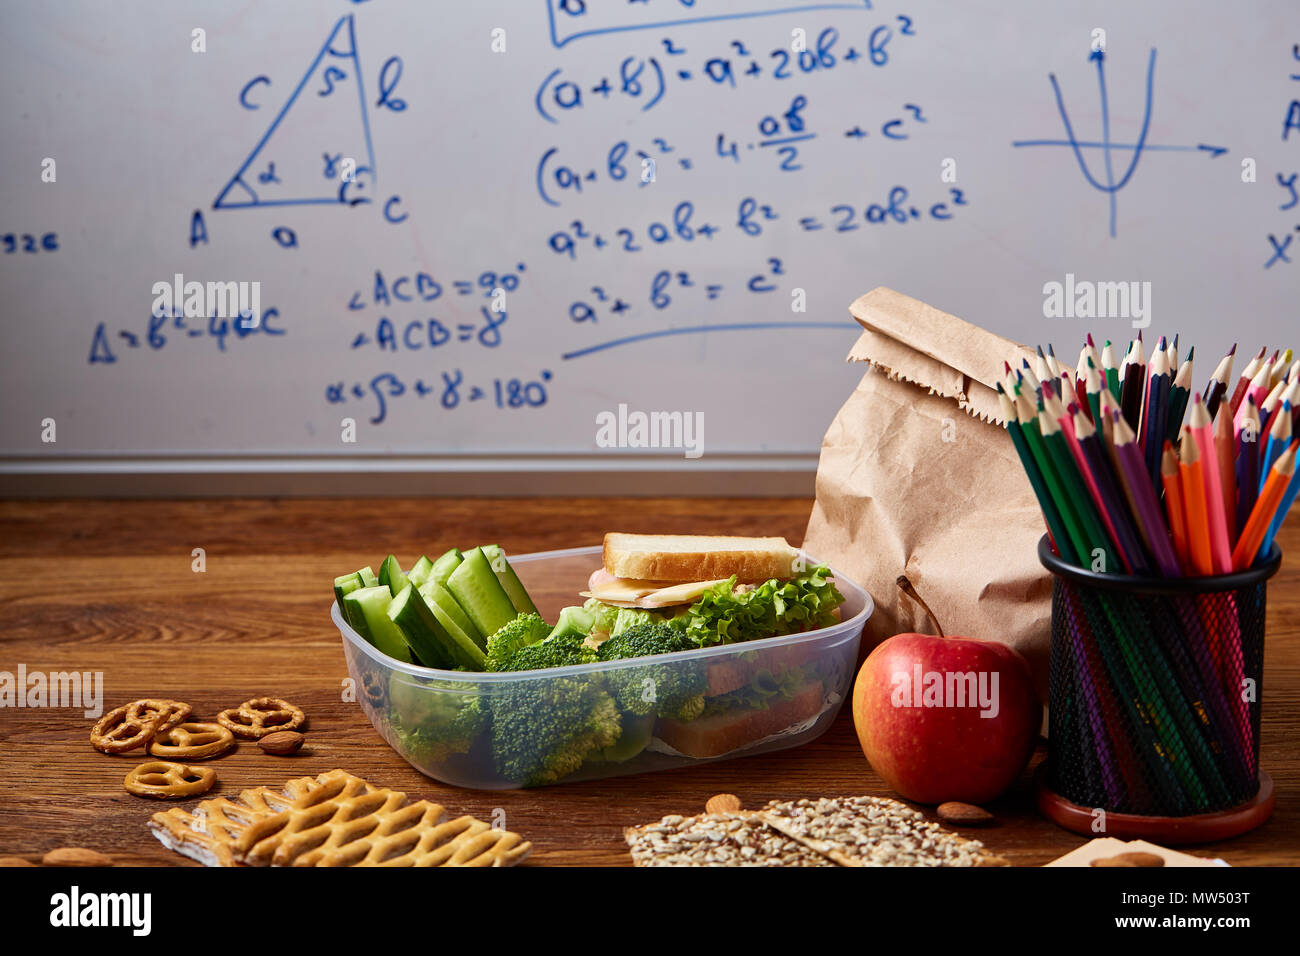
[(915, 342)]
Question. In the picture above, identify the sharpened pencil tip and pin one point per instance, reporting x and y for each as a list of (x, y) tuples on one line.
[(1091, 343), (1233, 350)]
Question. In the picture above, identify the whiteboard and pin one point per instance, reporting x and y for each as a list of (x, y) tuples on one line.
[(475, 229)]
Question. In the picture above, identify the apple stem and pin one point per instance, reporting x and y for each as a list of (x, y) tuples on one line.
[(909, 589)]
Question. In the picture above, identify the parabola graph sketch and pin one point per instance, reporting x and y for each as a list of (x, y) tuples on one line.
[(1109, 183)]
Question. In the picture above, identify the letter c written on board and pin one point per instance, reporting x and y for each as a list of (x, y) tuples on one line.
[(388, 210), (243, 94)]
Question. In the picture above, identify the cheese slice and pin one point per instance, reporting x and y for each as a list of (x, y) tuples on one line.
[(648, 594), (622, 590), (677, 594)]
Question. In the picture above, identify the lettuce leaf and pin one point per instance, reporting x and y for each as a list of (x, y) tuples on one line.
[(723, 616), (759, 694)]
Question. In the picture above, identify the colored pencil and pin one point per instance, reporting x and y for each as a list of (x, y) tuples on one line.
[(1247, 463), (1257, 389), (1217, 386), (1174, 508), (1133, 384), (1155, 410), (1288, 499), (1043, 368), (1027, 373), (1281, 367), (1050, 513), (1243, 383), (1097, 543), (1179, 392), (1261, 516), (1095, 469), (1093, 385), (1074, 541), (1198, 525), (1146, 513), (1109, 370), (1279, 437), (1202, 431), (1225, 453)]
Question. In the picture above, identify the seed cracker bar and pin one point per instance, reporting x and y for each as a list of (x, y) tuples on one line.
[(717, 839), (874, 831)]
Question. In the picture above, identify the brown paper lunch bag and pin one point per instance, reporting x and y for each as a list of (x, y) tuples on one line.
[(917, 476)]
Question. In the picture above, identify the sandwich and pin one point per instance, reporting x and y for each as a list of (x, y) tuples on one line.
[(719, 590)]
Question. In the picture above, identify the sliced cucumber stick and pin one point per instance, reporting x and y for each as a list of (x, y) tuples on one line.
[(419, 572), (372, 604), (420, 629), (346, 584), (439, 596), (390, 573), (445, 564), (343, 586), (508, 580), (477, 590)]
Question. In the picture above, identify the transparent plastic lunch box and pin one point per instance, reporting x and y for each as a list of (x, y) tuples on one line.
[(499, 731)]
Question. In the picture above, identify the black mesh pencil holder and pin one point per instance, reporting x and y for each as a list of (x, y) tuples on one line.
[(1155, 703)]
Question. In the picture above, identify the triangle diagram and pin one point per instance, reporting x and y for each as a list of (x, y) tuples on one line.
[(299, 159)]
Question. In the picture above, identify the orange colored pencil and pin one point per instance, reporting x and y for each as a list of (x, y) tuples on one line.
[(1252, 536), (1174, 504), (1198, 523), (1225, 450)]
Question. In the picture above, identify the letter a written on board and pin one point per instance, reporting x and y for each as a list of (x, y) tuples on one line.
[(300, 156)]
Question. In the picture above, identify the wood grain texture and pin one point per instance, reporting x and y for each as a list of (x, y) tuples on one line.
[(108, 586)]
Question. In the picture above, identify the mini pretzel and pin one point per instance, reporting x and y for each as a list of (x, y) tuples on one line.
[(192, 741), (167, 713), (117, 731), (261, 716), (375, 689), (135, 724), (169, 781)]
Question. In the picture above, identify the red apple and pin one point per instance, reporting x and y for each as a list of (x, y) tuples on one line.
[(946, 718)]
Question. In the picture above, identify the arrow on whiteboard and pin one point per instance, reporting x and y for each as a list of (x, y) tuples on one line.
[(1110, 184)]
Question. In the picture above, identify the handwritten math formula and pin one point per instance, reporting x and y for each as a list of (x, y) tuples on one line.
[(622, 172)]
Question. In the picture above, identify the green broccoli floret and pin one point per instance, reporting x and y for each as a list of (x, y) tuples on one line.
[(573, 620), (435, 720), (554, 651), (519, 633), (543, 730), (674, 690)]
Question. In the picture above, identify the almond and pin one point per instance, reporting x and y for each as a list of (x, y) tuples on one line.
[(282, 742), (964, 814), (15, 861), (1130, 859), (75, 856), (723, 803)]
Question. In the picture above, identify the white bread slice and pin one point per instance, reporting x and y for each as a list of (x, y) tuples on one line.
[(697, 557)]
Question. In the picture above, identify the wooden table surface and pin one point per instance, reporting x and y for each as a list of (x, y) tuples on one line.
[(109, 586)]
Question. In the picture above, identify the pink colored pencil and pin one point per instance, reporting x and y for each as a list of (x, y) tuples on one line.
[(1202, 431)]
